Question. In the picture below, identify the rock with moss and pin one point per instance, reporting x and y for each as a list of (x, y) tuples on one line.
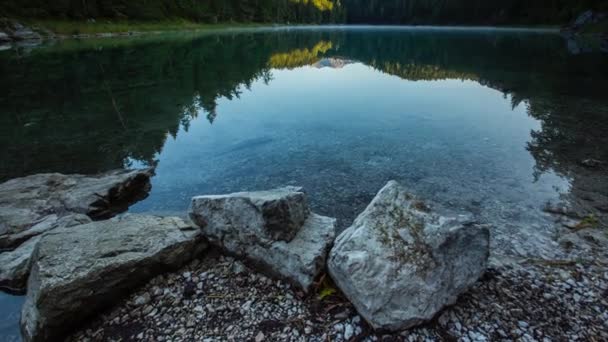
[(400, 264), (79, 271)]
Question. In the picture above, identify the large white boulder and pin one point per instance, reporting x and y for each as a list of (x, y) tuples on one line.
[(78, 271), (399, 264), (273, 229)]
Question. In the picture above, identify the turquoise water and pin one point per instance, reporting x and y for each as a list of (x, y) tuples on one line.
[(489, 122)]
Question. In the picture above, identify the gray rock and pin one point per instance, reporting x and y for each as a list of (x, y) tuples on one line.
[(25, 33), (47, 223), (75, 271), (15, 264), (583, 19), (142, 300), (16, 31), (4, 38), (272, 229), (35, 204), (348, 332), (273, 215), (399, 264), (302, 259)]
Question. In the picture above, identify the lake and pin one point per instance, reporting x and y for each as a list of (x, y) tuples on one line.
[(495, 123)]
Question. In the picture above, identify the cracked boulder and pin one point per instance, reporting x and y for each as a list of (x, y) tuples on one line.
[(32, 205), (400, 264), (78, 271), (271, 229)]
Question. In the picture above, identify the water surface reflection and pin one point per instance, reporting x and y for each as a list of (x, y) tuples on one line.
[(492, 122)]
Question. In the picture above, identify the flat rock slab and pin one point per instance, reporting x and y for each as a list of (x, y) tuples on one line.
[(15, 264), (399, 264), (272, 229), (78, 271), (32, 205)]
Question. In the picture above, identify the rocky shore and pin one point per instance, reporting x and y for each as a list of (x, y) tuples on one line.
[(219, 299), (587, 33), (12, 31), (260, 266)]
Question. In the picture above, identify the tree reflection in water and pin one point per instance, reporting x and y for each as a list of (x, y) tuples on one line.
[(59, 116)]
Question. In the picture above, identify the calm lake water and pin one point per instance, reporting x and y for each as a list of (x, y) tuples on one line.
[(489, 122)]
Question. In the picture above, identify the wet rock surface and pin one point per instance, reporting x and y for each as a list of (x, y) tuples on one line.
[(35, 204), (219, 299), (399, 264), (271, 229), (79, 270)]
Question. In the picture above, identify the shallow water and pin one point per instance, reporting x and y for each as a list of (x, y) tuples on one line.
[(489, 122)]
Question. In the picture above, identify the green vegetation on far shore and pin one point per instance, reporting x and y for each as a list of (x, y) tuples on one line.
[(74, 27)]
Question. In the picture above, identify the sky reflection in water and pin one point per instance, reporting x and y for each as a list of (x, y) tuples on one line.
[(493, 123)]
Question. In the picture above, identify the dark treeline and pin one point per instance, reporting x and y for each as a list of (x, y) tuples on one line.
[(473, 12), (467, 11), (206, 11)]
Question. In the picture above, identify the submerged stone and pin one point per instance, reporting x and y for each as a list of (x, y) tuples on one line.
[(400, 264)]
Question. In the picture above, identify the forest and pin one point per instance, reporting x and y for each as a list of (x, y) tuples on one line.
[(474, 12), (205, 11)]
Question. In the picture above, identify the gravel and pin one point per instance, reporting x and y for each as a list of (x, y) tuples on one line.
[(220, 299)]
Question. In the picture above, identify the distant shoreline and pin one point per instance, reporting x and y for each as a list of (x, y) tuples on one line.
[(65, 29)]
